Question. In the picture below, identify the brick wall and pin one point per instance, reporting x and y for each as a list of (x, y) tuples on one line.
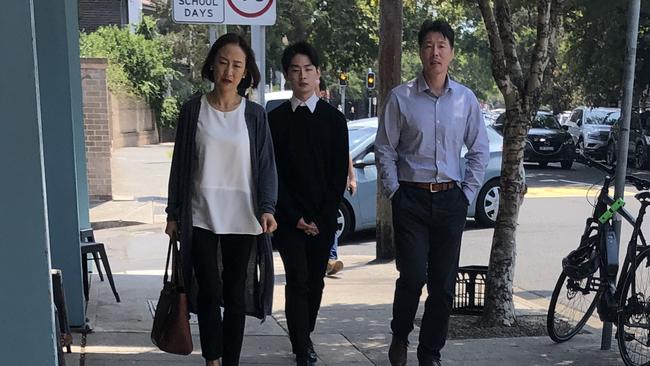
[(95, 13), (96, 112)]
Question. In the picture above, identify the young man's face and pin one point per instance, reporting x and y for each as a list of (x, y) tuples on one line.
[(303, 76), (436, 54)]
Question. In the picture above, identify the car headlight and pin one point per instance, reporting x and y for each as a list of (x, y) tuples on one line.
[(647, 139)]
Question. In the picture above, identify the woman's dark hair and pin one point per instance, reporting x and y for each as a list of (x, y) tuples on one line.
[(299, 48), (322, 86), (439, 26), (252, 77)]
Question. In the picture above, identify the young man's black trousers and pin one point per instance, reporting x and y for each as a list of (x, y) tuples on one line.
[(221, 338), (428, 230), (305, 261)]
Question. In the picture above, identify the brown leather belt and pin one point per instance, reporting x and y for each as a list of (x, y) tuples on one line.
[(431, 187)]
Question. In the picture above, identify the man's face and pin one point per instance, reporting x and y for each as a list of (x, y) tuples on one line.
[(436, 54), (303, 76)]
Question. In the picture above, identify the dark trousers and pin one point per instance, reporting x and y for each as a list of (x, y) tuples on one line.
[(221, 338), (428, 229), (305, 261)]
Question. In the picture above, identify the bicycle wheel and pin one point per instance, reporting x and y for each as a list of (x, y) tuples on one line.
[(633, 328), (572, 304)]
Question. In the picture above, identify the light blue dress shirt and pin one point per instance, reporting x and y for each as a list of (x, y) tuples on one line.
[(421, 137)]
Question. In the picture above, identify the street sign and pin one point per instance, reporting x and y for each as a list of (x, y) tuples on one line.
[(243, 12)]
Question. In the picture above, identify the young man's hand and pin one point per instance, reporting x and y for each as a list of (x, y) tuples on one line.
[(352, 186), (309, 229)]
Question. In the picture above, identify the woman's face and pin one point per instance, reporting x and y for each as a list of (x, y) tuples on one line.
[(229, 67)]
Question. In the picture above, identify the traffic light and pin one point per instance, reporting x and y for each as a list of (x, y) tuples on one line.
[(370, 80), (343, 78)]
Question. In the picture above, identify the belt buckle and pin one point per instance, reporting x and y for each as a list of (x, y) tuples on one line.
[(431, 189)]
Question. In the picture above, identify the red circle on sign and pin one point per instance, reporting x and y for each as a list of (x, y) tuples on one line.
[(249, 15)]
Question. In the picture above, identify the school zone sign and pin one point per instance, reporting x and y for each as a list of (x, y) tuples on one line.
[(245, 12)]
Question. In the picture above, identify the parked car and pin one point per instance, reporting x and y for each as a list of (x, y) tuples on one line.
[(547, 141), (639, 146), (590, 129), (274, 99), (359, 212)]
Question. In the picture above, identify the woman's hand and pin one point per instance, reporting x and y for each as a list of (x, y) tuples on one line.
[(268, 223), (172, 230)]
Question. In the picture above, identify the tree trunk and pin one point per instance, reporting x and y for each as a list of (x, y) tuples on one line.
[(390, 60), (521, 94)]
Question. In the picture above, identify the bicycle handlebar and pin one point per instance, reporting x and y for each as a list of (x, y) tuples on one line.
[(638, 183)]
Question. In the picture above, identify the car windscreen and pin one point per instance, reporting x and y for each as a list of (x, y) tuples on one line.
[(546, 121), (273, 104), (599, 117), (358, 135)]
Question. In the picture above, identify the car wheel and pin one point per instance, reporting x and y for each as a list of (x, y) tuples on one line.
[(640, 159), (611, 154), (543, 164), (566, 164), (487, 204), (344, 222)]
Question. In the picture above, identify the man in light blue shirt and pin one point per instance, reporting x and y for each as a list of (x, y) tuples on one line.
[(426, 123)]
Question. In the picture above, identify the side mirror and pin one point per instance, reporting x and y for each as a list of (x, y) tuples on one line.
[(367, 160), (565, 127)]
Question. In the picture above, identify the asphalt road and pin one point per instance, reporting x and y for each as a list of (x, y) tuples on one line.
[(551, 221)]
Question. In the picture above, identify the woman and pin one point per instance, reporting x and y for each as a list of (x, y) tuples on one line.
[(222, 192)]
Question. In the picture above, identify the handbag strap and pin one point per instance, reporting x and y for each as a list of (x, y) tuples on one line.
[(169, 252)]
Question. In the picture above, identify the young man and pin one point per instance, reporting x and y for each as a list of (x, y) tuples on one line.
[(310, 138), (418, 146)]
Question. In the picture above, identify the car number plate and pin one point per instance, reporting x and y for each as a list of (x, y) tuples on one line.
[(546, 148)]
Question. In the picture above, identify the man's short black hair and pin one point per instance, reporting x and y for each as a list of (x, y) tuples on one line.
[(299, 48), (439, 26)]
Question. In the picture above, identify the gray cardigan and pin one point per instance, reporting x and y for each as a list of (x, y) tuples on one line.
[(259, 282)]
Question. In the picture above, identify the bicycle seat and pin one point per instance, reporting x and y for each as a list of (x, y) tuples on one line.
[(643, 196)]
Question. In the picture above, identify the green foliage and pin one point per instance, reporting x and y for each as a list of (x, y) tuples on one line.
[(595, 49), (169, 111), (139, 63)]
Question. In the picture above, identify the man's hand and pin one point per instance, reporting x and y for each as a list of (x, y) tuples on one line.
[(268, 223), (309, 229), (172, 230), (352, 185)]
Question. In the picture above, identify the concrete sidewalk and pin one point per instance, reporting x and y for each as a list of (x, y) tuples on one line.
[(353, 326)]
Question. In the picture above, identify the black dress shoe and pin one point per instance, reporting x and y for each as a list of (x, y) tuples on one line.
[(432, 363), (311, 354), (397, 352), (303, 361)]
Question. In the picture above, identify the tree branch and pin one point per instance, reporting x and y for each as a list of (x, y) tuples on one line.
[(504, 20), (499, 69)]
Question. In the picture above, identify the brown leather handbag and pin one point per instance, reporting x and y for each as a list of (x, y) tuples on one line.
[(171, 324)]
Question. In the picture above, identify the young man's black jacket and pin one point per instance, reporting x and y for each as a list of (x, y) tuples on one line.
[(311, 153)]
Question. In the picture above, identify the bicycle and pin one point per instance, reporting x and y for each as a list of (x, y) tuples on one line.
[(588, 279)]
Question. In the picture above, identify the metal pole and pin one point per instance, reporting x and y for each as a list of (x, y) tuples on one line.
[(258, 42), (624, 136), (212, 34), (343, 99)]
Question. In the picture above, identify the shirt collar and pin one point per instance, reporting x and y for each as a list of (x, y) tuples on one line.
[(309, 103), (424, 87)]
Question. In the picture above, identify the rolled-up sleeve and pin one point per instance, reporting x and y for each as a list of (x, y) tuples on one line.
[(478, 150), (386, 143)]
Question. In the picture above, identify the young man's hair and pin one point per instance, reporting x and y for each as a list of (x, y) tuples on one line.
[(252, 77), (299, 48), (322, 86), (439, 26)]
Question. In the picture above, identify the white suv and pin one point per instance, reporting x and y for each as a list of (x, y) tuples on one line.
[(590, 129)]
